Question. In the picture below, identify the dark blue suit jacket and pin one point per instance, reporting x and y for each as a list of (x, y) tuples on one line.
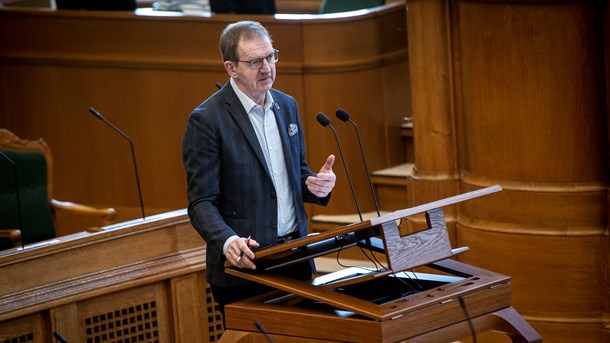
[(230, 190)]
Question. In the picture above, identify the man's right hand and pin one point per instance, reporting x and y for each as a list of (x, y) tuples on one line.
[(237, 248)]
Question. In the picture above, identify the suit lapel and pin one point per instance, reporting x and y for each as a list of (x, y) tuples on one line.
[(282, 118), (236, 110)]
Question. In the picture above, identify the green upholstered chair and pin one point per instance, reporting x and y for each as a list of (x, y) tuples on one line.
[(33, 163), (334, 6)]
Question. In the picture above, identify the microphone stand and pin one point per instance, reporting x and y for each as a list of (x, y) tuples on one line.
[(325, 121), (133, 154), (344, 116)]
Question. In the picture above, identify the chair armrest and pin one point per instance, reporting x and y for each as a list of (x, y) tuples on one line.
[(106, 214), (13, 234)]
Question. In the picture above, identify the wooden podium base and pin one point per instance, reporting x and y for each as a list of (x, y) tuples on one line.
[(390, 304), (506, 321), (445, 312)]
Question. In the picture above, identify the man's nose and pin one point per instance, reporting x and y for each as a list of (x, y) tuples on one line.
[(266, 65)]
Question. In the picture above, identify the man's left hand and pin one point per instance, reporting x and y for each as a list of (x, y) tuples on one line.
[(323, 183)]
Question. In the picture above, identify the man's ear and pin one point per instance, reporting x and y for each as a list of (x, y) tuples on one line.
[(230, 68)]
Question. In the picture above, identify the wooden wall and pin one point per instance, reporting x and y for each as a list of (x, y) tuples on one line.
[(146, 74), (514, 93)]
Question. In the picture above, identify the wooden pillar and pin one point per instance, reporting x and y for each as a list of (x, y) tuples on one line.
[(435, 175), (606, 240), (514, 91)]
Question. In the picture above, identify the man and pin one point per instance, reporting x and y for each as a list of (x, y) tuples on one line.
[(243, 152)]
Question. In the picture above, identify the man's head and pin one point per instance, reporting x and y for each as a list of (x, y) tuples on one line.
[(249, 57)]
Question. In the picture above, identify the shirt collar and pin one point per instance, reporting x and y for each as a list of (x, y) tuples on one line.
[(248, 103)]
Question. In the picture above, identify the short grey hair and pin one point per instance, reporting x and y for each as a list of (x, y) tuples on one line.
[(233, 33)]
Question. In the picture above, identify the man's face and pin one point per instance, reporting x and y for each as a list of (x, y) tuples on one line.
[(254, 82)]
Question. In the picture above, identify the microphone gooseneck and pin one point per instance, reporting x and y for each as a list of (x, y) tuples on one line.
[(133, 153), (344, 116), (325, 121), (19, 216)]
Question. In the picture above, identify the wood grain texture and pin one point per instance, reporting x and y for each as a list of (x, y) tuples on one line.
[(430, 316), (522, 103), (420, 248), (144, 275), (146, 74)]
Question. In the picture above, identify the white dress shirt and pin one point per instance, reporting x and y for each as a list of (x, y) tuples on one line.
[(266, 129)]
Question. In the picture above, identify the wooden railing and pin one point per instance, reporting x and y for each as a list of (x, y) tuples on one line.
[(136, 280)]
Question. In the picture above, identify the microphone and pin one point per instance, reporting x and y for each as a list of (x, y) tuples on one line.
[(218, 85), (133, 154), (325, 121), (344, 116), (19, 216)]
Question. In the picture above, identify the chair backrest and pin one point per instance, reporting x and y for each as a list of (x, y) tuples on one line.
[(334, 6), (33, 163)]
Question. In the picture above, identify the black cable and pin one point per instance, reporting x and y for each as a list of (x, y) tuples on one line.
[(472, 332), (59, 337), (261, 328)]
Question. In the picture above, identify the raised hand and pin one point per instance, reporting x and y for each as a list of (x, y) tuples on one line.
[(323, 183)]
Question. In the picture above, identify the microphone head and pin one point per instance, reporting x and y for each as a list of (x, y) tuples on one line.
[(342, 114), (323, 119), (94, 112)]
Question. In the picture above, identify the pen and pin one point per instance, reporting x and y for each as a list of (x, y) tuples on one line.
[(242, 253)]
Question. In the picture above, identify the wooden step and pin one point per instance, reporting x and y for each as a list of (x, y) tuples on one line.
[(390, 186), (325, 222)]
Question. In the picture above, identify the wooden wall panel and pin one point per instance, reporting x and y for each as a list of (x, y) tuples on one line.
[(187, 295), (350, 71), (139, 314), (24, 329), (522, 102), (145, 74), (547, 88), (364, 113)]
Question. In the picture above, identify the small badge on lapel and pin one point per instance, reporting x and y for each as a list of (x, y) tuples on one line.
[(292, 130), (277, 106)]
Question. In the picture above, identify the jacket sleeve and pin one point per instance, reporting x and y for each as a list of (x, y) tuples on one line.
[(200, 153)]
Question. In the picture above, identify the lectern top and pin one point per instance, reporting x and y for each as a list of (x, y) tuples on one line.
[(345, 236)]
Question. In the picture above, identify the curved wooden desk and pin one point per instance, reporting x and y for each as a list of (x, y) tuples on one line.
[(131, 280)]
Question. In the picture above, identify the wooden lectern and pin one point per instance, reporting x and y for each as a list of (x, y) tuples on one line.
[(367, 305)]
